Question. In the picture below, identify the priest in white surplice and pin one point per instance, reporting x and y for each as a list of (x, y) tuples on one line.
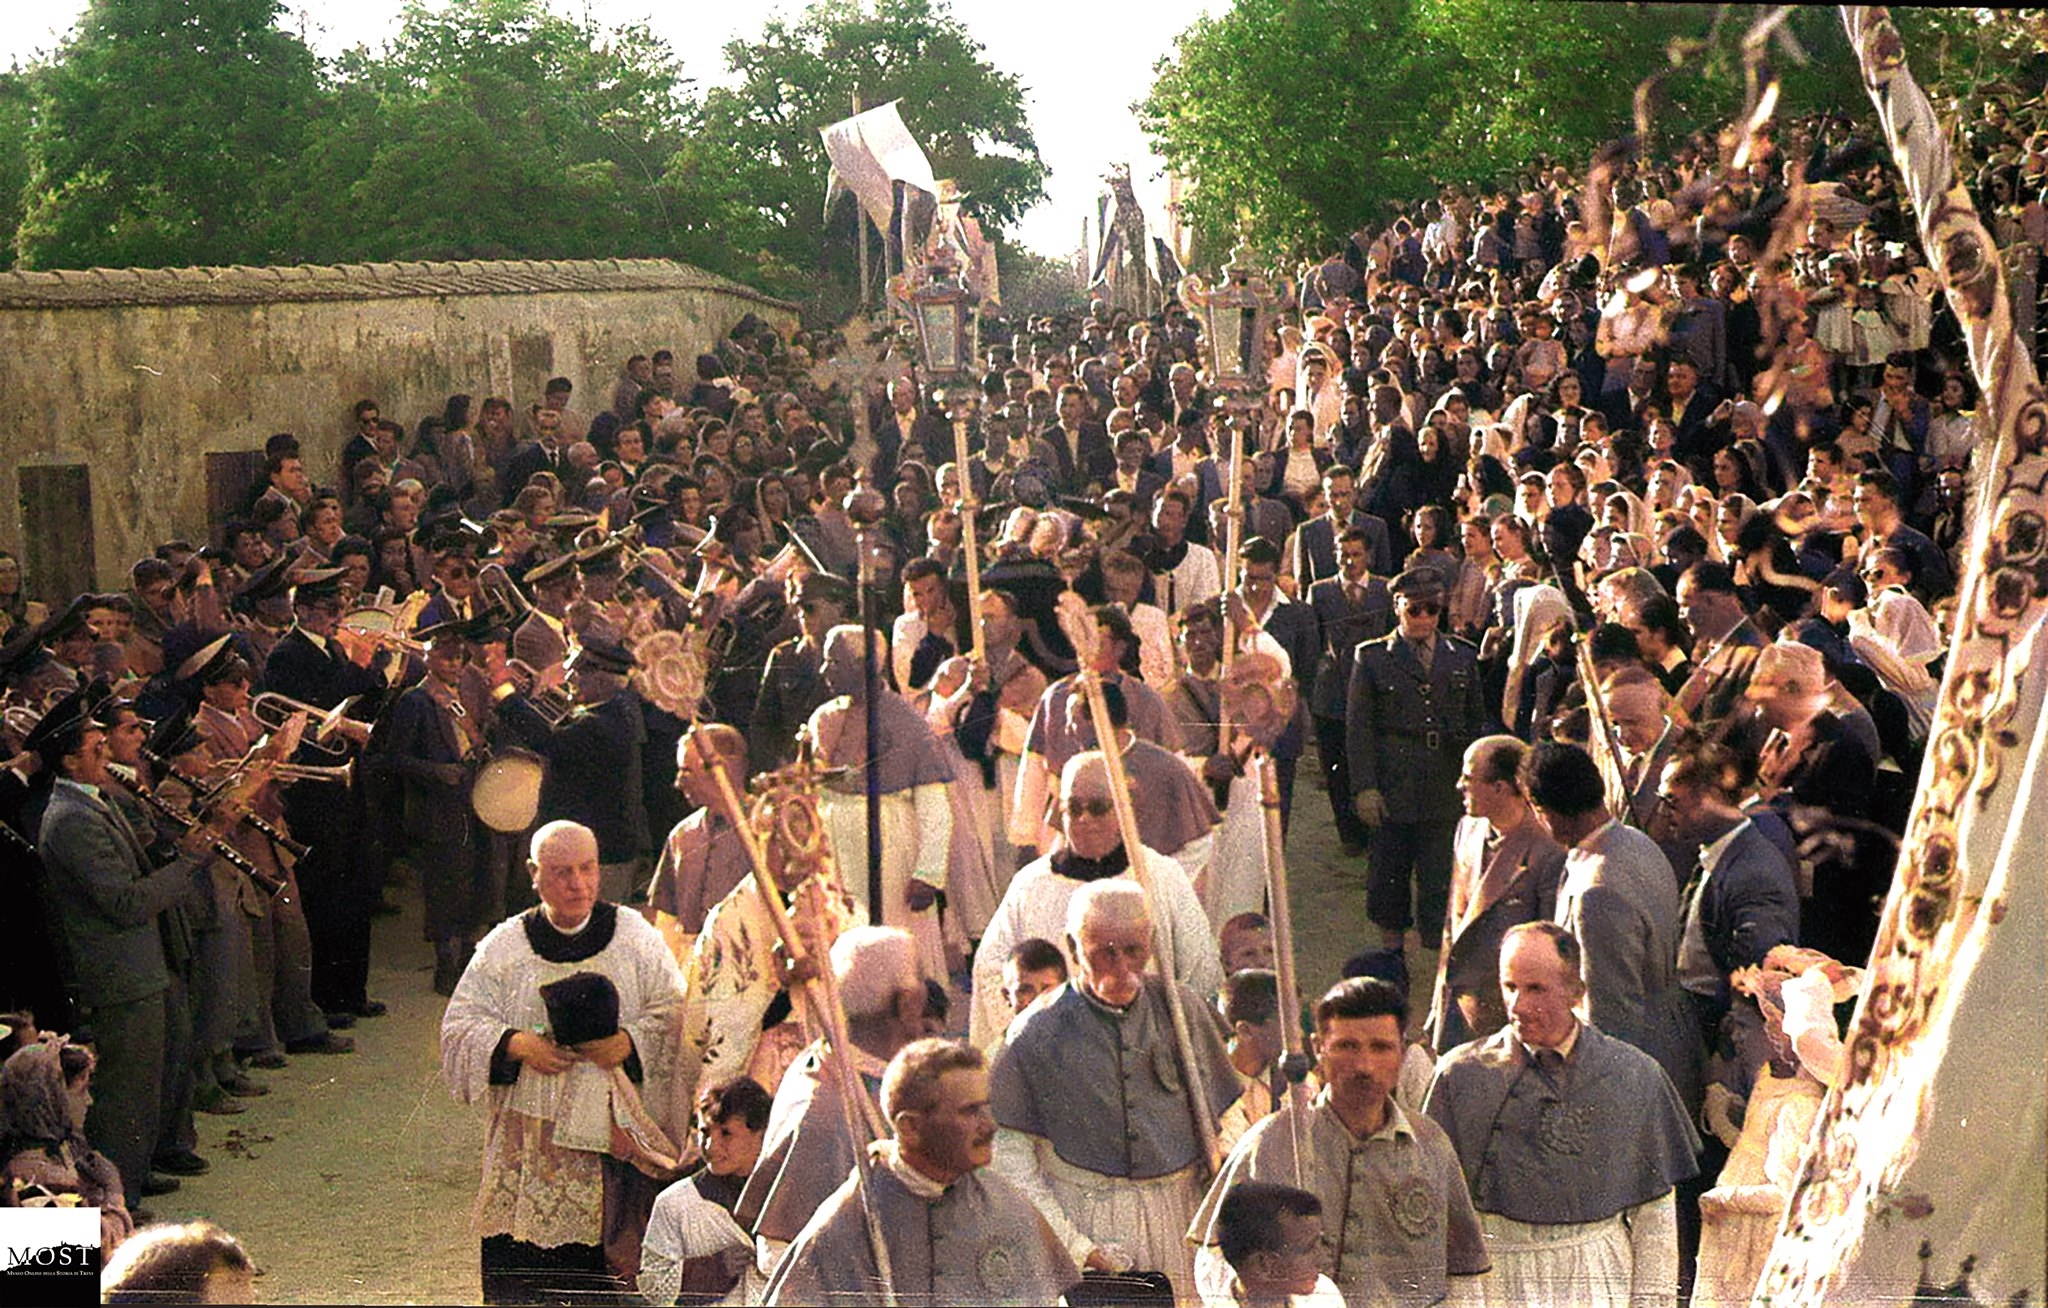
[(554, 1202)]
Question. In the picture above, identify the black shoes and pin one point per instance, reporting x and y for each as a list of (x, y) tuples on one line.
[(371, 1008), (329, 1043), (270, 1060), (155, 1185), (337, 1020), (218, 1101), (182, 1163)]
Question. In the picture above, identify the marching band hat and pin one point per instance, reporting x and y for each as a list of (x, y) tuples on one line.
[(201, 662), (56, 733), (603, 653), (453, 629), (602, 558), (824, 587), (173, 734), (267, 582), (542, 573), (68, 622), (570, 523), (319, 585)]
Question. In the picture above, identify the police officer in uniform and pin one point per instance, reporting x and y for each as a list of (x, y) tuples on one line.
[(1413, 706)]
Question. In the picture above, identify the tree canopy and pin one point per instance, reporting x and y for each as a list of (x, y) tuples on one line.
[(1298, 120), (168, 132), (748, 176)]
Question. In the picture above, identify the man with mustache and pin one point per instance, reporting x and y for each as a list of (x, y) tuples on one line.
[(1399, 1220), (957, 1233)]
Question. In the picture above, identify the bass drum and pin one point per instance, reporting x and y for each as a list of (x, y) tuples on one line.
[(506, 796)]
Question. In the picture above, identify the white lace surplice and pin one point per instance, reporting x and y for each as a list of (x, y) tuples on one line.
[(533, 1188)]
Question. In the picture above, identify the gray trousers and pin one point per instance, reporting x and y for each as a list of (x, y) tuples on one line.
[(127, 1085), (281, 954), (175, 1130)]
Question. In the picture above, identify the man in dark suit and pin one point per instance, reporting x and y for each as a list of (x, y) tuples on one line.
[(1350, 608), (1134, 474), (1312, 553), (594, 758), (1691, 411), (1292, 625), (1505, 870), (1414, 704), (1740, 899), (1725, 642), (904, 429), (431, 747), (793, 682), (310, 663), (1079, 443), (1623, 406), (545, 453), (104, 903)]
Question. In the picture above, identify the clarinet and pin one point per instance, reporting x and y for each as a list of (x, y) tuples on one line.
[(185, 822), (261, 825)]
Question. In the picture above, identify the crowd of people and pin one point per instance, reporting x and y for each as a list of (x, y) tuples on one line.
[(1606, 529)]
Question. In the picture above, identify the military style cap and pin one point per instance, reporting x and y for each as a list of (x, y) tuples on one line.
[(542, 573), (202, 662), (603, 653), (318, 585), (1418, 583)]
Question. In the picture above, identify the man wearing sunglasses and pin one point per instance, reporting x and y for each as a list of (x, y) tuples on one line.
[(1413, 707)]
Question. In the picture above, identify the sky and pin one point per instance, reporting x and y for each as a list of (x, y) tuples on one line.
[(1082, 64)]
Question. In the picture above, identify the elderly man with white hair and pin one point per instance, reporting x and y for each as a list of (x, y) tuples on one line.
[(1094, 1097), (1090, 849), (562, 1022), (809, 1148)]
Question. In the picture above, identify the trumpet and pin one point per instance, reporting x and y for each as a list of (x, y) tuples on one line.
[(286, 773), (186, 822), (204, 790)]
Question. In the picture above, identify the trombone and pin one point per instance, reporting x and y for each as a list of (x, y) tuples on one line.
[(275, 711), (553, 705)]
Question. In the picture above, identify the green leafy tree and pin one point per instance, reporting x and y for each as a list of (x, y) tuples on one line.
[(1296, 119), (750, 180), (496, 129), (17, 114), (166, 133)]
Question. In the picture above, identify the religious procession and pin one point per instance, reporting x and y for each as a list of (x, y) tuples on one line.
[(1488, 765)]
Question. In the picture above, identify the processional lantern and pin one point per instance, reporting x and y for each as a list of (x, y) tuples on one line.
[(941, 309), (1236, 315)]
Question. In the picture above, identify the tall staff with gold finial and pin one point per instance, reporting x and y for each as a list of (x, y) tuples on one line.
[(968, 506), (1082, 631), (823, 1008)]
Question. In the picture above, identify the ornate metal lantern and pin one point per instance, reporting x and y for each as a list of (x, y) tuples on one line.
[(1236, 316), (941, 309)]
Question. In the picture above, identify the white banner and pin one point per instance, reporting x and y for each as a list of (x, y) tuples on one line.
[(870, 151)]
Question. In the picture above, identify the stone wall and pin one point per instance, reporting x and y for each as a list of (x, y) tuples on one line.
[(136, 376)]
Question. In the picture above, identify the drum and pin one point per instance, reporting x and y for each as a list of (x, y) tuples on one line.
[(506, 795)]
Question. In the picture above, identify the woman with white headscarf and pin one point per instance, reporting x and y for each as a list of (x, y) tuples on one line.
[(1538, 610)]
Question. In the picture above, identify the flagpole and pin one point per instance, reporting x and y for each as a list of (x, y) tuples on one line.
[(860, 227)]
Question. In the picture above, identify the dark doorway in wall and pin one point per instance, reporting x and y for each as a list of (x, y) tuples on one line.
[(56, 531), (232, 478)]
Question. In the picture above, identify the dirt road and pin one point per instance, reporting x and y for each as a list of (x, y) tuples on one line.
[(351, 1182)]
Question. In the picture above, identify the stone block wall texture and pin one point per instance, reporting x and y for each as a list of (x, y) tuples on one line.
[(139, 374)]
